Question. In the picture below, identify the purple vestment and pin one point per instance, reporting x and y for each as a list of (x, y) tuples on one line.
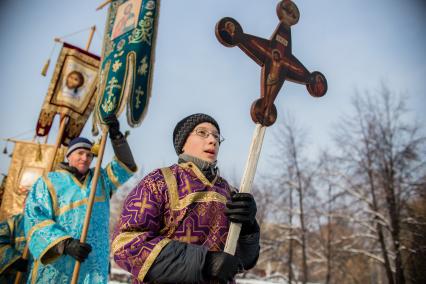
[(174, 203)]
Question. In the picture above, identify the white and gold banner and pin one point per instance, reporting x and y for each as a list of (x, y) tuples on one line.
[(29, 161)]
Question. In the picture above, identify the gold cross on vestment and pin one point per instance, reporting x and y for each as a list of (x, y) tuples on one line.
[(188, 238), (143, 205)]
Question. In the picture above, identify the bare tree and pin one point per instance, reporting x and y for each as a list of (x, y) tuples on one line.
[(294, 176), (380, 150)]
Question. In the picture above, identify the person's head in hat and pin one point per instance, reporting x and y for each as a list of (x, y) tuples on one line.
[(198, 135), (79, 154)]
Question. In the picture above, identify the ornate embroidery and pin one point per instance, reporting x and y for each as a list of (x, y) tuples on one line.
[(144, 32), (143, 67), (117, 64)]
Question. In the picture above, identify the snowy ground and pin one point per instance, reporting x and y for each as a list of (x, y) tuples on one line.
[(121, 277), (240, 281)]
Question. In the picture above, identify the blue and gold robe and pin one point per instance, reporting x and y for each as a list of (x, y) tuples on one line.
[(55, 210), (12, 244)]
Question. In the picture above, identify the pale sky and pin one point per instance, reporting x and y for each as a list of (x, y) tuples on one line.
[(356, 44)]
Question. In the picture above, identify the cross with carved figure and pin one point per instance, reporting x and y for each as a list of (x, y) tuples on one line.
[(276, 59)]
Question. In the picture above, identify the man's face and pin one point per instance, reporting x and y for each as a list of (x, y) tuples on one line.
[(81, 160), (73, 81), (205, 148)]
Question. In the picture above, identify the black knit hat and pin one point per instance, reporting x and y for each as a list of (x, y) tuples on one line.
[(184, 127), (78, 143)]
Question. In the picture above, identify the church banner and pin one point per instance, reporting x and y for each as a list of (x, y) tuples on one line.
[(128, 59), (71, 92), (29, 161)]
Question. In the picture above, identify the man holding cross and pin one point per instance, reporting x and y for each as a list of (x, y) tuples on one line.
[(56, 207), (175, 222)]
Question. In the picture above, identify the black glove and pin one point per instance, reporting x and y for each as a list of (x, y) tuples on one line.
[(242, 209), (113, 126), (76, 249), (20, 265), (221, 266)]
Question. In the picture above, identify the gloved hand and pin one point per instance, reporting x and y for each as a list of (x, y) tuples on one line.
[(76, 249), (221, 266), (20, 265), (113, 126), (242, 209)]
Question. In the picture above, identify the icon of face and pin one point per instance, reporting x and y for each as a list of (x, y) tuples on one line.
[(74, 80), (230, 28), (288, 13)]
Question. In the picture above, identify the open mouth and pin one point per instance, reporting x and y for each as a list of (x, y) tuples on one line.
[(211, 152)]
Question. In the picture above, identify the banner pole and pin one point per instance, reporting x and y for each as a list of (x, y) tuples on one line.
[(91, 199)]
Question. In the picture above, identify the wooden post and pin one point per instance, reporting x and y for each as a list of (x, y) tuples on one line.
[(58, 141), (106, 2), (92, 32), (94, 182), (246, 183), (91, 199)]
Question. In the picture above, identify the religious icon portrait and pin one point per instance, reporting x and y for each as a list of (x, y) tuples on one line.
[(75, 85), (288, 13), (126, 18), (71, 91), (71, 85)]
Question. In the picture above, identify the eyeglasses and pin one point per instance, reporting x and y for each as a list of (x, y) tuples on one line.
[(204, 133)]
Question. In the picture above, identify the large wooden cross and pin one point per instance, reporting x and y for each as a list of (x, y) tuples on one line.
[(278, 64), (276, 59)]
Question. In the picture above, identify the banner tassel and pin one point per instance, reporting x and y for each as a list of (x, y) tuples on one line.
[(45, 68), (46, 65)]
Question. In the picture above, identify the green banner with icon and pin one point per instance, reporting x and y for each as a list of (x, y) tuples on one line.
[(128, 59)]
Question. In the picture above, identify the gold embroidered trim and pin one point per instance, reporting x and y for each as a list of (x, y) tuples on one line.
[(11, 224), (76, 204), (171, 183), (34, 273), (52, 192), (151, 258), (176, 204), (76, 181), (198, 173), (39, 226), (112, 176), (20, 239), (47, 260), (9, 264), (66, 208), (122, 239), (208, 196)]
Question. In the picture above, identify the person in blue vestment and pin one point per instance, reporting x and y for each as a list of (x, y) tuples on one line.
[(12, 244), (56, 207)]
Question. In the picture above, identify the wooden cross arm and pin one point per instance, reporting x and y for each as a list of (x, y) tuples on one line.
[(229, 33)]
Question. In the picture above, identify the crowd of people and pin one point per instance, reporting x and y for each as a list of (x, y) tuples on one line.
[(172, 228)]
